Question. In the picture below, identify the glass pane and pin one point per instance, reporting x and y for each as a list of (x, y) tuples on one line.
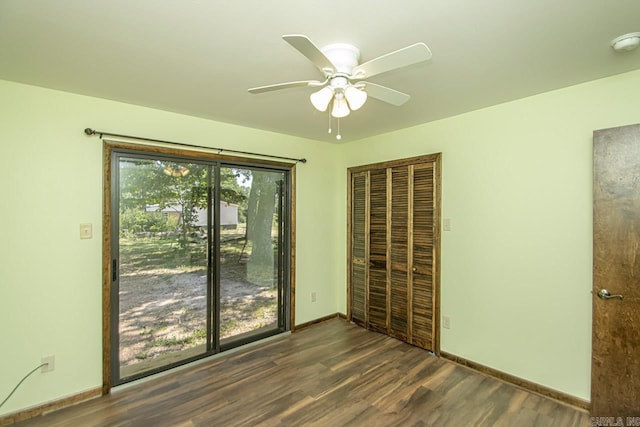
[(162, 262), (249, 251)]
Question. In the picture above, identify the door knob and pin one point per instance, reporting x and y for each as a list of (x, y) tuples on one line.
[(604, 294)]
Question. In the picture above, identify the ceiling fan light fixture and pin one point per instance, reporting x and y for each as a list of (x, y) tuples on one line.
[(322, 98), (355, 97), (340, 108)]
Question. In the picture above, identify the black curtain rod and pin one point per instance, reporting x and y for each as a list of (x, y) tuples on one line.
[(100, 134)]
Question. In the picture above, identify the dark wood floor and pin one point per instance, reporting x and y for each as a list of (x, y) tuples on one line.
[(330, 374)]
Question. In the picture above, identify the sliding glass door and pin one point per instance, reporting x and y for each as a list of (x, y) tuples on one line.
[(200, 259), (250, 254)]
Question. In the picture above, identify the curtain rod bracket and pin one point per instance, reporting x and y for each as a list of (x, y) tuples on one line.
[(100, 134)]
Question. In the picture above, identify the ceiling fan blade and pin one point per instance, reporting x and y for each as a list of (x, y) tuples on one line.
[(306, 47), (404, 57), (278, 86), (385, 94)]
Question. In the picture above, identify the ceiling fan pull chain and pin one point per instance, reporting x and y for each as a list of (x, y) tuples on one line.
[(329, 124), (338, 136)]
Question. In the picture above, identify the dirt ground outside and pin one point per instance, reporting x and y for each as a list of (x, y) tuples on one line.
[(163, 300)]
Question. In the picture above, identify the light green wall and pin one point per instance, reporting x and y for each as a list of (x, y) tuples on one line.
[(516, 267), (517, 186), (51, 175)]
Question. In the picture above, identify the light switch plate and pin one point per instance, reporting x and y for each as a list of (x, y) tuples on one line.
[(446, 224), (86, 231)]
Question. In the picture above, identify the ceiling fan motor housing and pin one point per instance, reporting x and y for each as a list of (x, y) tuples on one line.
[(343, 56)]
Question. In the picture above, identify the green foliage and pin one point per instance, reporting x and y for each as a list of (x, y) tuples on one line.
[(158, 253), (134, 221), (200, 334), (228, 327), (145, 182), (230, 189), (163, 184), (171, 341)]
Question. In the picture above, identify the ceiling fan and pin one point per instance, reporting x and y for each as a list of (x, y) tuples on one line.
[(344, 84)]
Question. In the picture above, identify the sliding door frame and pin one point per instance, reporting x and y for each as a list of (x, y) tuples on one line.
[(109, 270)]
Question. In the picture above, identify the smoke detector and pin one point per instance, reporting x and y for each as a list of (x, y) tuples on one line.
[(626, 42)]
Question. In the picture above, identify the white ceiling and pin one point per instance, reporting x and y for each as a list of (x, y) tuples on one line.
[(199, 57)]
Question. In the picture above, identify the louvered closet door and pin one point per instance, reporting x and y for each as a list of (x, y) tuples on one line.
[(398, 244), (378, 284), (394, 276), (422, 236), (359, 247)]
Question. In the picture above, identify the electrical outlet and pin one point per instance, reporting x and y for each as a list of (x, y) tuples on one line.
[(313, 297), (446, 322), (50, 363)]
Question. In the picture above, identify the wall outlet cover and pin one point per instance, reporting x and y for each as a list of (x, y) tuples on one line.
[(446, 322), (50, 363)]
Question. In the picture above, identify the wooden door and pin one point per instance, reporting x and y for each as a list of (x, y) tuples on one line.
[(394, 277), (359, 248), (399, 217), (615, 365), (378, 284), (423, 256)]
